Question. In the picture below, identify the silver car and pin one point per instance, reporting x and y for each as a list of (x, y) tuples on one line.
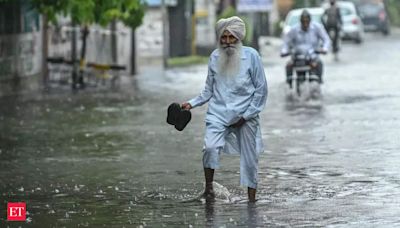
[(353, 27)]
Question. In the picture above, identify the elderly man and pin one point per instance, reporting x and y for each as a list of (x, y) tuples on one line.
[(236, 90)]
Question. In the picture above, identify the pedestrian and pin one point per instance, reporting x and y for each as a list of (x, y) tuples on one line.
[(332, 20), (236, 92)]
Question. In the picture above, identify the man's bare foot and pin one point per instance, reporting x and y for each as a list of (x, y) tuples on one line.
[(209, 194)]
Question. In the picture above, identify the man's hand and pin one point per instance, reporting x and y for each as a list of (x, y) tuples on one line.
[(314, 64), (284, 54), (186, 106), (239, 123)]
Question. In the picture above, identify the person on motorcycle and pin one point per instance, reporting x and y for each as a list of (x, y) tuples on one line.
[(307, 37), (332, 21)]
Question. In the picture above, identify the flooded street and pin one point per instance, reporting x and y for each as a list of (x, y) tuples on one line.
[(108, 158)]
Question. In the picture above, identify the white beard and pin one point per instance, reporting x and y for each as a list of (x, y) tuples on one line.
[(229, 60)]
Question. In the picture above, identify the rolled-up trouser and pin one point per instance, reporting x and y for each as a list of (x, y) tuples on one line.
[(214, 143)]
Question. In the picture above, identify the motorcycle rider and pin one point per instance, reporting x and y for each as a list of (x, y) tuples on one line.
[(332, 21), (307, 37)]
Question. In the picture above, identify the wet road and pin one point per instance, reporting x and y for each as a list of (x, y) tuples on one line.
[(108, 159)]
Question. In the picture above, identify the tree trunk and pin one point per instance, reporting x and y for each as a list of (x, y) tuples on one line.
[(45, 52), (73, 57), (133, 52), (114, 44), (82, 62), (165, 20)]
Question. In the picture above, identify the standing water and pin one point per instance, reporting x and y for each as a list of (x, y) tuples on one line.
[(108, 158)]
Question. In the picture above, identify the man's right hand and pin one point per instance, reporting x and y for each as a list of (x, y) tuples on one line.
[(186, 106)]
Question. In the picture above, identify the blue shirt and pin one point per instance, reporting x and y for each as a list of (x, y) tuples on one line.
[(309, 40), (231, 98)]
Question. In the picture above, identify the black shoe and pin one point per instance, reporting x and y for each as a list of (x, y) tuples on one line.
[(178, 117)]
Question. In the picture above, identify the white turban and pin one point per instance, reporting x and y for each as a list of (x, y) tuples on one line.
[(234, 25)]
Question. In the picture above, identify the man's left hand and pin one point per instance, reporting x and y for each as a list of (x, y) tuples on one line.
[(314, 64), (239, 123)]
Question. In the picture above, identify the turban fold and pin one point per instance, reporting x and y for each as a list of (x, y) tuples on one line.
[(234, 25)]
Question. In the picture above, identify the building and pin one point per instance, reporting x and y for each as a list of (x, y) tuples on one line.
[(20, 47)]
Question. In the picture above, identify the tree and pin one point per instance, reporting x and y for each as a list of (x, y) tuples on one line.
[(86, 12)]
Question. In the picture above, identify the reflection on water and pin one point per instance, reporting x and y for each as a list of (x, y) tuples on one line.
[(209, 212)]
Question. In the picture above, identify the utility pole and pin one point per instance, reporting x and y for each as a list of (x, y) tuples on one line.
[(165, 33)]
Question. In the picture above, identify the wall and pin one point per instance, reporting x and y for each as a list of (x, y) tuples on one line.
[(20, 48)]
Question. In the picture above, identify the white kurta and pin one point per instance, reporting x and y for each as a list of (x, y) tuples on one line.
[(229, 99)]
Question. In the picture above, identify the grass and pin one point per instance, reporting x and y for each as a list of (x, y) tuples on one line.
[(187, 61)]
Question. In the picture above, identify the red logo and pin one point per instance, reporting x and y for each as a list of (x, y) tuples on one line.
[(16, 211)]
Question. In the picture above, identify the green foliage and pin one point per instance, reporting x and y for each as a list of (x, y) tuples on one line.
[(102, 12), (393, 7), (277, 28), (51, 8), (187, 61)]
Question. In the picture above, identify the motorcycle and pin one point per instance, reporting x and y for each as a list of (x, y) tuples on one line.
[(305, 82)]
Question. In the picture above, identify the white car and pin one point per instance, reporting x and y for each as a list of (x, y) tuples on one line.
[(293, 18), (353, 27)]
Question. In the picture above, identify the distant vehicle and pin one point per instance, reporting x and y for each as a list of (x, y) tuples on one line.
[(374, 17), (293, 18), (353, 27)]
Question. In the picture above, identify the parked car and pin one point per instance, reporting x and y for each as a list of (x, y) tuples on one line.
[(352, 27), (374, 17), (293, 18)]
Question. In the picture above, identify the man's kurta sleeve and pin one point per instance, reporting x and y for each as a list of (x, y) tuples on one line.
[(207, 92), (287, 42), (261, 90), (323, 35)]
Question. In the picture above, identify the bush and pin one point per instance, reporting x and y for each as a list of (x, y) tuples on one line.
[(393, 7)]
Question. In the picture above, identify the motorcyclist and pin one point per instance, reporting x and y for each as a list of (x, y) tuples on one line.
[(306, 36), (332, 21)]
